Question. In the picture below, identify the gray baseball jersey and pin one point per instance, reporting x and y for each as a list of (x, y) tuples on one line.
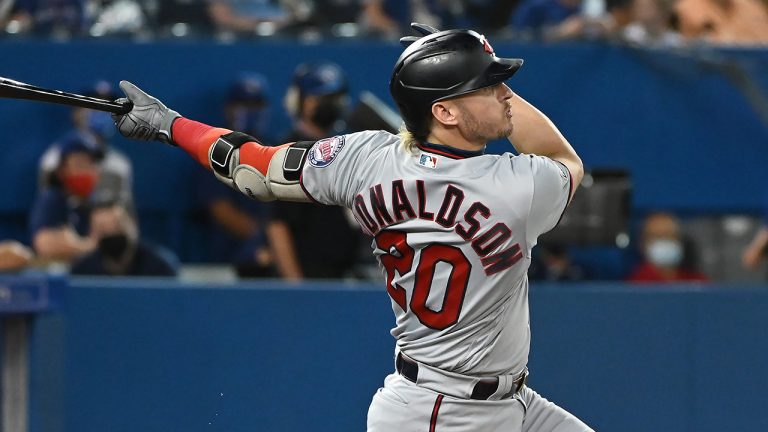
[(453, 236)]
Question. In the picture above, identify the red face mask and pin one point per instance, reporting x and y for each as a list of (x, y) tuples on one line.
[(80, 185)]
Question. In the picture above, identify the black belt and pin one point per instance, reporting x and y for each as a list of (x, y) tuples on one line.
[(482, 391)]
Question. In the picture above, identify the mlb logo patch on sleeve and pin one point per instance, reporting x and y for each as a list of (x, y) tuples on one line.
[(428, 161), (325, 151)]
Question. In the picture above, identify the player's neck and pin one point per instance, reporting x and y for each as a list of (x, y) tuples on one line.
[(451, 139)]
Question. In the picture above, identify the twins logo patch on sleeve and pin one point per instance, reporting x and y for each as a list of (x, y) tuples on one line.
[(325, 151)]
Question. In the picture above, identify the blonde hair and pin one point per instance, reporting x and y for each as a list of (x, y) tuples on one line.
[(408, 140)]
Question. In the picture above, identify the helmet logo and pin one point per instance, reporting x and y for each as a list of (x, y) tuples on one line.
[(487, 46)]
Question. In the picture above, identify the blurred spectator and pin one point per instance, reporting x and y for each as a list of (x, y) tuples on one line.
[(316, 14), (308, 240), (664, 253), (488, 15), (637, 21), (553, 263), (59, 220), (392, 18), (5, 12), (116, 179), (180, 17), (642, 21), (14, 256), (245, 16), (117, 17), (238, 222), (723, 21), (119, 251), (58, 18), (551, 19)]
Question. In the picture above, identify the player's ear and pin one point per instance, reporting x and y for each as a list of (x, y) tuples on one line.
[(445, 112)]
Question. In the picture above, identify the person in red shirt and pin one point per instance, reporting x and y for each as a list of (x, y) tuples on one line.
[(663, 252)]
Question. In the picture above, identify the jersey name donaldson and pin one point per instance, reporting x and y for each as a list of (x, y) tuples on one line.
[(482, 238), (454, 239)]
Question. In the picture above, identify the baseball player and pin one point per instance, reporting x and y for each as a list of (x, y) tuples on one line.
[(452, 228)]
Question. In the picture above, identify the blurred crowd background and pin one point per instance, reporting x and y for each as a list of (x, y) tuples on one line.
[(667, 22), (86, 220)]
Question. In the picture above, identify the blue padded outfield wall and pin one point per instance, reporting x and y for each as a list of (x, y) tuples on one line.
[(156, 356), (691, 139)]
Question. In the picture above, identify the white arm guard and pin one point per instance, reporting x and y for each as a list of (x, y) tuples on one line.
[(283, 173)]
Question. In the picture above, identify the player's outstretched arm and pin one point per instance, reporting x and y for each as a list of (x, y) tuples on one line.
[(534, 133), (236, 159)]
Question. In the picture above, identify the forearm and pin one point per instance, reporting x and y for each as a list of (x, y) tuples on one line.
[(14, 256), (197, 138), (61, 244), (753, 254), (234, 220), (241, 161), (225, 19), (760, 241), (534, 133), (281, 242), (377, 19)]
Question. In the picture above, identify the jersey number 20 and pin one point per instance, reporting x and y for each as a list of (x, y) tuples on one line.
[(400, 257)]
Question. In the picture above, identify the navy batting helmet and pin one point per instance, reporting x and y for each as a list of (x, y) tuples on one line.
[(441, 65)]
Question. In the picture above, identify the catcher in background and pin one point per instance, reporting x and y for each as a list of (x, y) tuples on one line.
[(452, 228)]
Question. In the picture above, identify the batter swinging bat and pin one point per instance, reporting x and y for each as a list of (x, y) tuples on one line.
[(19, 90)]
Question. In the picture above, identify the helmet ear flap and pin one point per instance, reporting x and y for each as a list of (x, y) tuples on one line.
[(292, 101)]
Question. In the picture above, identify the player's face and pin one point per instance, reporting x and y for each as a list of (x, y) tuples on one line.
[(486, 114)]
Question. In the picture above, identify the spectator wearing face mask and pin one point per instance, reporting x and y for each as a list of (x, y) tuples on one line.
[(119, 250), (60, 216), (116, 179), (663, 252), (309, 240), (237, 223)]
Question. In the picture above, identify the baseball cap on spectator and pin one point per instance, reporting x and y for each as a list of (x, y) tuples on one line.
[(321, 78), (77, 141), (99, 122), (249, 88)]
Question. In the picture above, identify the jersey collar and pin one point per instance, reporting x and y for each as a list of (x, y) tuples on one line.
[(449, 151)]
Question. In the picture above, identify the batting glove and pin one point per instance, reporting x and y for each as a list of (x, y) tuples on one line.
[(148, 120)]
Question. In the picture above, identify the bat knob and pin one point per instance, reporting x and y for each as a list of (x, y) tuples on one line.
[(125, 107)]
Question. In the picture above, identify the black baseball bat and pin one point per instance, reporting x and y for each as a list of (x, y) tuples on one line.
[(18, 90)]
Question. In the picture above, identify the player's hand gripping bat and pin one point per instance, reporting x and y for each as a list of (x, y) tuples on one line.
[(19, 90)]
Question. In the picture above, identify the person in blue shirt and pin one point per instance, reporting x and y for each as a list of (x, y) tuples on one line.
[(61, 18), (116, 169), (60, 216), (119, 249), (237, 222), (317, 100)]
